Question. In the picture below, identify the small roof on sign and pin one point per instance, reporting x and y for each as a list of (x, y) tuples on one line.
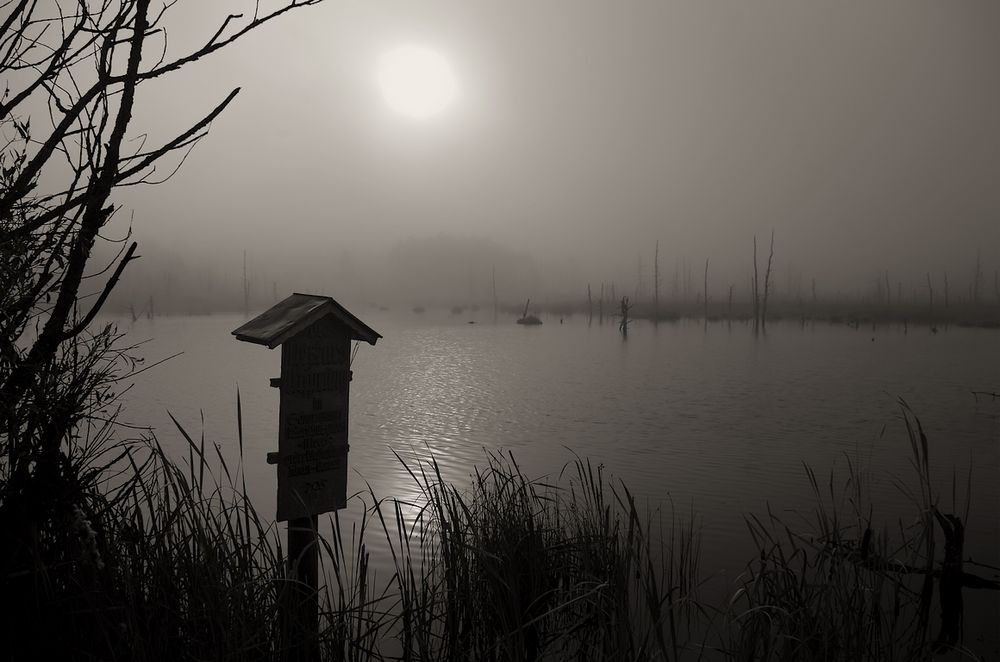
[(287, 318)]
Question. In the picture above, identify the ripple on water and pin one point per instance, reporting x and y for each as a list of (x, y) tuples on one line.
[(712, 416)]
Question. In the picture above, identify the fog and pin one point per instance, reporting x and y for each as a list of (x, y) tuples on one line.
[(866, 135)]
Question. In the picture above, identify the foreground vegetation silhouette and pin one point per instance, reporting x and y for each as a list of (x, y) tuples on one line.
[(158, 560)]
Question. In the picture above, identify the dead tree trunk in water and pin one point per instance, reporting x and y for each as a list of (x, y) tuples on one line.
[(656, 281), (638, 282), (706, 289), (600, 307), (690, 282), (767, 285), (494, 277), (888, 290), (246, 287), (946, 289), (930, 292), (729, 307), (590, 306), (756, 287), (976, 277), (951, 581), (623, 326)]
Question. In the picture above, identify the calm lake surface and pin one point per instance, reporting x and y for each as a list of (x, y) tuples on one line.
[(708, 416)]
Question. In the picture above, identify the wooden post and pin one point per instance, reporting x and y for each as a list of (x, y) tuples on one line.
[(300, 606)]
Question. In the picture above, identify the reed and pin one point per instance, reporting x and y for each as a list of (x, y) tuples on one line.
[(521, 569), (172, 561), (834, 585)]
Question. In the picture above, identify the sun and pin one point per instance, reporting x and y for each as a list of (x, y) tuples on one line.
[(416, 82)]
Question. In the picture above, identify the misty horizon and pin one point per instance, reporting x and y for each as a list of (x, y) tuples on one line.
[(448, 270), (866, 136)]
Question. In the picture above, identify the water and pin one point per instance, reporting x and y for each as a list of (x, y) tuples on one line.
[(705, 415)]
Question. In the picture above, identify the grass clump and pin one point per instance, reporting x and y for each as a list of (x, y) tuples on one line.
[(519, 569), (832, 585)]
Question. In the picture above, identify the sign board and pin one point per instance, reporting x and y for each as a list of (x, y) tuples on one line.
[(315, 334), (312, 432)]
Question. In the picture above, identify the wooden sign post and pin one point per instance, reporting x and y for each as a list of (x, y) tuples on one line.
[(315, 334)]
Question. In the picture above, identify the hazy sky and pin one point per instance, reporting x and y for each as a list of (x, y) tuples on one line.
[(867, 134)]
